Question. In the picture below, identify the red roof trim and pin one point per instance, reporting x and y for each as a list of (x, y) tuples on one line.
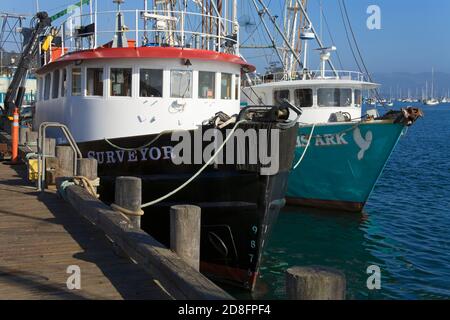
[(146, 52)]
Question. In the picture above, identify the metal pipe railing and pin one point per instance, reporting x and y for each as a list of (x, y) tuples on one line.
[(41, 150), (186, 31)]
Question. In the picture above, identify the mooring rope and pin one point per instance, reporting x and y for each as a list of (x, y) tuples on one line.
[(307, 147), (199, 172)]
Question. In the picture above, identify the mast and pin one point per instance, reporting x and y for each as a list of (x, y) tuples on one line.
[(277, 27), (272, 40), (432, 83), (318, 39)]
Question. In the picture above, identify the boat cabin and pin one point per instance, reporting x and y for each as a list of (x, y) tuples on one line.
[(323, 99), (170, 77)]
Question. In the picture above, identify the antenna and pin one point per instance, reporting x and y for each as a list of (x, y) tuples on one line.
[(119, 3), (325, 56)]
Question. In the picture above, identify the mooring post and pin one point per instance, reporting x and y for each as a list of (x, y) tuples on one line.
[(315, 283), (65, 157), (23, 131), (128, 195), (185, 229), (49, 147), (31, 140), (88, 168)]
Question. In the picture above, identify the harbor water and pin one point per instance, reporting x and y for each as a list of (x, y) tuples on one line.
[(405, 228)]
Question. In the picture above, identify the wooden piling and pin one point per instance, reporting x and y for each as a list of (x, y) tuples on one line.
[(50, 147), (88, 168), (315, 283), (65, 157), (23, 135), (185, 228), (31, 140), (128, 195)]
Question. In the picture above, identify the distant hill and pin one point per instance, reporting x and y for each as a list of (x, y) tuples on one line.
[(414, 82)]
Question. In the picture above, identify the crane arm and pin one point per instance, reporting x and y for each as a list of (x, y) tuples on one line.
[(16, 90)]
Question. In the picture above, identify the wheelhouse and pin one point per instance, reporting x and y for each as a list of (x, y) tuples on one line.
[(320, 98), (174, 75)]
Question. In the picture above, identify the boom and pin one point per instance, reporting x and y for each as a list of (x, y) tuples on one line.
[(16, 90)]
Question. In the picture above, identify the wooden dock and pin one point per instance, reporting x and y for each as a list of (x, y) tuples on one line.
[(41, 236)]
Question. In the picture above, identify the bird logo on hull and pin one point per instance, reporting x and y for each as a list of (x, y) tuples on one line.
[(364, 143)]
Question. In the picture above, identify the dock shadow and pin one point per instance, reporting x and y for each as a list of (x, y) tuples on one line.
[(130, 281)]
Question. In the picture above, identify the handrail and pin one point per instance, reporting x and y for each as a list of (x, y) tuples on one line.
[(41, 149), (311, 75), (172, 28)]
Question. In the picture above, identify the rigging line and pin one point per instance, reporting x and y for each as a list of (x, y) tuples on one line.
[(251, 34), (332, 39), (359, 51), (207, 164), (354, 39), (348, 38)]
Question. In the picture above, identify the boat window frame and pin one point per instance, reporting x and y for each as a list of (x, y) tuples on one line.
[(56, 78), (237, 86), (229, 96), (313, 93), (110, 89), (336, 99), (275, 100), (355, 104), (47, 86), (140, 70), (102, 82), (214, 88), (191, 90), (72, 82), (64, 82)]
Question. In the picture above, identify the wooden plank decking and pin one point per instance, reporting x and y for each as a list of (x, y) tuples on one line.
[(40, 236)]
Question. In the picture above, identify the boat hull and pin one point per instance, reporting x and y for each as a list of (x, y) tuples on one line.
[(239, 204), (342, 164)]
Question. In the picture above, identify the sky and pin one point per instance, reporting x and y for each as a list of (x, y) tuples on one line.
[(414, 35)]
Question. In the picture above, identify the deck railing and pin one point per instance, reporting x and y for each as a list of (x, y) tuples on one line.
[(311, 75), (150, 28)]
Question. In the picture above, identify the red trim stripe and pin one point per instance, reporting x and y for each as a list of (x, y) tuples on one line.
[(147, 53)]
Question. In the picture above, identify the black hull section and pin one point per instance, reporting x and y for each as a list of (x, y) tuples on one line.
[(239, 205)]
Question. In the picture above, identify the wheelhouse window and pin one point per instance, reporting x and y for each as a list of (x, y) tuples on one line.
[(303, 98), (76, 82), (94, 81), (226, 86), (55, 84), (280, 95), (121, 82), (181, 84), (237, 86), (329, 97), (48, 79), (64, 83), (151, 83), (358, 98), (206, 85)]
